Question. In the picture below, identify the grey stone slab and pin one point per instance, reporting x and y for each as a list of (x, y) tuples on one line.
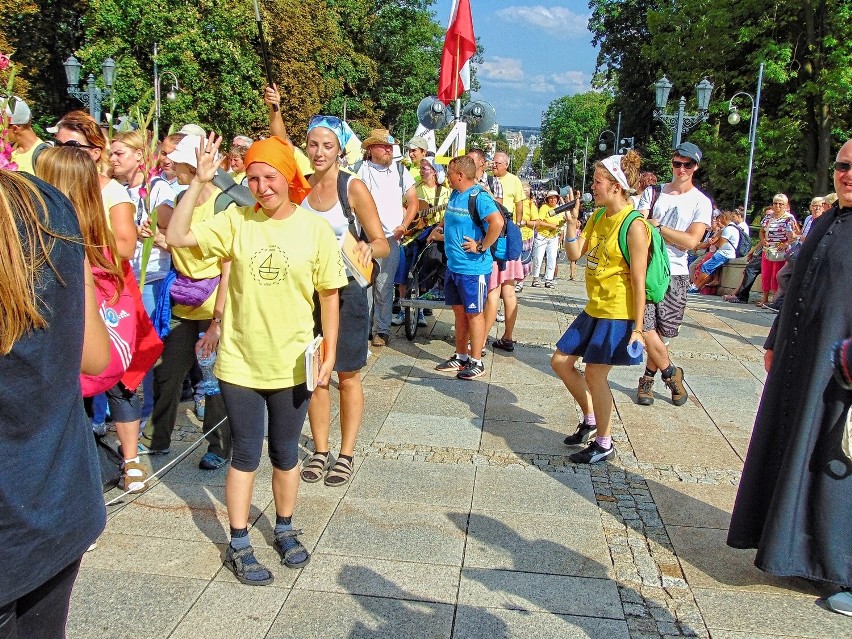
[(449, 397), (394, 367), (478, 623), (708, 562), (430, 430), (155, 556), (414, 482), (753, 612), (547, 544), (184, 511), (519, 437), (108, 604), (403, 532), (698, 505), (733, 634), (380, 578), (320, 615), (228, 610), (532, 491), (515, 403), (540, 593)]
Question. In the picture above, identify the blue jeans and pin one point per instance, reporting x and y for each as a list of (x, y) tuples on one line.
[(150, 293), (381, 299)]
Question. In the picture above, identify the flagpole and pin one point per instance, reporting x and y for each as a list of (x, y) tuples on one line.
[(263, 49)]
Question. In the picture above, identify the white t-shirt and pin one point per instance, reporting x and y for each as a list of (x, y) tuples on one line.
[(732, 239), (678, 212), (160, 261), (745, 227), (383, 184)]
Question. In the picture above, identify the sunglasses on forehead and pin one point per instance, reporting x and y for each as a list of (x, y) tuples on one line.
[(75, 145), (683, 165), (843, 167)]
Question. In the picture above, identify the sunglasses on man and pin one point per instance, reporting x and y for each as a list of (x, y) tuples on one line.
[(683, 165), (843, 167)]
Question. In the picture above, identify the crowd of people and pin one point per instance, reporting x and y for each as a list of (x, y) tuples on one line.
[(127, 269)]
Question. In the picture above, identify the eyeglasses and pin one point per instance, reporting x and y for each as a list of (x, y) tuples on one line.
[(683, 165), (75, 145), (843, 167)]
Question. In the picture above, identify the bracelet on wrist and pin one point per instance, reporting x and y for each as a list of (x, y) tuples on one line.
[(636, 330), (573, 239)]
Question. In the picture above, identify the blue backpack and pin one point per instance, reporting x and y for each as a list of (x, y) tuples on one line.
[(508, 246)]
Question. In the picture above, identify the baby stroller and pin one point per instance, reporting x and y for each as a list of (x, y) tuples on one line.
[(425, 279)]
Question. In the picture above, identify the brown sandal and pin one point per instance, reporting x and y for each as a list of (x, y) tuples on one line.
[(313, 470), (135, 476), (340, 473)]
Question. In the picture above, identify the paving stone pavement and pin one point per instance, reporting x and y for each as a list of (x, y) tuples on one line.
[(465, 518)]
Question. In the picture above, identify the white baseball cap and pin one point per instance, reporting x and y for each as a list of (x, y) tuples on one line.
[(18, 111)]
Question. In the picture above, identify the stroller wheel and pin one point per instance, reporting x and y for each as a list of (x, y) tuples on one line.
[(411, 311)]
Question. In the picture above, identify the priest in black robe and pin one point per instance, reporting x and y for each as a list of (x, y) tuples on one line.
[(794, 502)]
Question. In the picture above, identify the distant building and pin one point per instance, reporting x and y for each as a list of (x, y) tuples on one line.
[(515, 139)]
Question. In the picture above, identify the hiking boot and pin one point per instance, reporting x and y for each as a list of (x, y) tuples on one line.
[(452, 364), (472, 370), (584, 433), (675, 384), (645, 394), (594, 453)]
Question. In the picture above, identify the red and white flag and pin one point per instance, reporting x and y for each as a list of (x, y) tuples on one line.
[(459, 48)]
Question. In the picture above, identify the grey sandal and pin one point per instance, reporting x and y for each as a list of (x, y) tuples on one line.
[(340, 473), (316, 466), (293, 553), (246, 568)]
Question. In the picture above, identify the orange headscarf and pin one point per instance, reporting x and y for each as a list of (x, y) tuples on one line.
[(278, 153)]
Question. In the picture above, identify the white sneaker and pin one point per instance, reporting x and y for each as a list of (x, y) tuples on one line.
[(398, 319), (501, 317)]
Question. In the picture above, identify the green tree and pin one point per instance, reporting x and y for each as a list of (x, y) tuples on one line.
[(569, 120)]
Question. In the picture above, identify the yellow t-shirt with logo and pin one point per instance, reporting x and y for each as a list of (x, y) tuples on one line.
[(24, 159), (275, 267), (513, 192), (607, 274), (529, 213), (191, 262), (545, 215), (434, 199)]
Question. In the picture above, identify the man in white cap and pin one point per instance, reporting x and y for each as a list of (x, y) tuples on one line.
[(683, 214), (27, 145), (390, 186)]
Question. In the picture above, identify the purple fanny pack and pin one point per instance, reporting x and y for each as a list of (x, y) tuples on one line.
[(190, 292)]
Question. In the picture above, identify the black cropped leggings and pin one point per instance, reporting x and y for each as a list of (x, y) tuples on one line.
[(287, 409)]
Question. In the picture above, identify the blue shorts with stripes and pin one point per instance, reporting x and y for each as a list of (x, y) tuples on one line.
[(468, 291)]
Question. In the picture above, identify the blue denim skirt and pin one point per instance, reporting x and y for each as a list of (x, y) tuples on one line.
[(599, 341)]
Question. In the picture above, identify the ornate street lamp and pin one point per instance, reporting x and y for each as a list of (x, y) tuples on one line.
[(91, 96), (681, 123), (734, 118), (171, 96)]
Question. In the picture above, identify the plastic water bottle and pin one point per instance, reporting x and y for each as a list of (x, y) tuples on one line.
[(209, 383), (634, 349)]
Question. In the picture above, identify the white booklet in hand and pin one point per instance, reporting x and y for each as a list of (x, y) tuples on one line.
[(313, 362), (352, 258)]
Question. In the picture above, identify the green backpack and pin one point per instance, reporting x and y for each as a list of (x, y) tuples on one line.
[(659, 272)]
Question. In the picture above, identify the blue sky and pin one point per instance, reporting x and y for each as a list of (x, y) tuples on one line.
[(534, 53)]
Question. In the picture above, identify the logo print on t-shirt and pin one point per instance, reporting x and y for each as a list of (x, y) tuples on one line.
[(598, 257), (269, 266)]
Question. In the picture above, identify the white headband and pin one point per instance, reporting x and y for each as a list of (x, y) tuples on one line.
[(613, 165)]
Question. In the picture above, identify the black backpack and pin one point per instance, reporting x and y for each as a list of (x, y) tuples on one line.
[(744, 245)]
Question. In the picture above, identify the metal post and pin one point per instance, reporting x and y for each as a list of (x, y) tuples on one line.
[(156, 99), (90, 83), (678, 127), (617, 142), (753, 137), (585, 158)]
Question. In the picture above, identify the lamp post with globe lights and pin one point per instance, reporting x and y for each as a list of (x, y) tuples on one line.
[(681, 123), (91, 96), (734, 118), (171, 96)]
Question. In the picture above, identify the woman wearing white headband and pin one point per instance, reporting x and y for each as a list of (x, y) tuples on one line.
[(613, 317)]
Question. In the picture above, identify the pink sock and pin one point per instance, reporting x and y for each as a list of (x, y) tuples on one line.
[(604, 442), (590, 419)]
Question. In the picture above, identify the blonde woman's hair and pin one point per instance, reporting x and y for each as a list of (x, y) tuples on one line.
[(630, 163), (71, 171), (27, 243), (134, 139)]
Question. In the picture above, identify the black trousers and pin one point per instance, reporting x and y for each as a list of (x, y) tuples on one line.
[(177, 360), (42, 612), (750, 273)]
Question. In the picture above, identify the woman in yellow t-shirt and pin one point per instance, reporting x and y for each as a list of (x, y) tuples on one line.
[(529, 214), (614, 316), (546, 243), (280, 254)]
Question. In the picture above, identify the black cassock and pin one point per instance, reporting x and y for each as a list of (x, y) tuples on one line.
[(794, 502)]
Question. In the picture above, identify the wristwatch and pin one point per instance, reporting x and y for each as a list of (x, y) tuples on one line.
[(480, 248)]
